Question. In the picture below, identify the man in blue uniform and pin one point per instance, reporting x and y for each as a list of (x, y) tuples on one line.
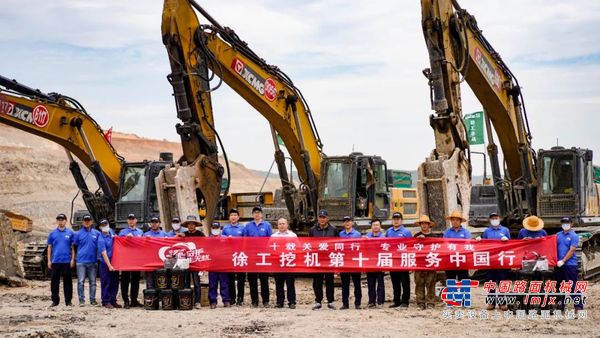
[(130, 278), (498, 232), (235, 229), (217, 280), (567, 268), (323, 229), (533, 227), (61, 259), (109, 278), (350, 232), (457, 231), (375, 279), (400, 279), (178, 230), (258, 228), (154, 232), (86, 241)]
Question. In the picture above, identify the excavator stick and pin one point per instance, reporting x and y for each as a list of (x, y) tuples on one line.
[(444, 185)]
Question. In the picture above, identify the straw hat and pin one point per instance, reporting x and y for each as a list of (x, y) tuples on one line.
[(424, 219), (533, 223), (456, 214)]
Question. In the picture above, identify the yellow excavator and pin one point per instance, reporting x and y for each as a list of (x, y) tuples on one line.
[(551, 184), (354, 185)]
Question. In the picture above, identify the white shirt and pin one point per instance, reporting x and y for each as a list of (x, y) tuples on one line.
[(288, 233)]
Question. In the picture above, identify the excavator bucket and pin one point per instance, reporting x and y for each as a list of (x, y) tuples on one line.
[(444, 186), (184, 190)]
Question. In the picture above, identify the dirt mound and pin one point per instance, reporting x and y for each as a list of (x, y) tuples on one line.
[(35, 179)]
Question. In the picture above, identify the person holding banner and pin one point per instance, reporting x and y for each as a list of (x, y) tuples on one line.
[(498, 232), (258, 228), (350, 232), (400, 279), (130, 278), (284, 277), (191, 222), (178, 230), (109, 278), (323, 229), (533, 227), (567, 267), (425, 280), (154, 232), (235, 229), (217, 280), (457, 231), (375, 279)]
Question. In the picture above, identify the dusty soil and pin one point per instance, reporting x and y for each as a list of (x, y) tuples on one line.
[(35, 179), (24, 312)]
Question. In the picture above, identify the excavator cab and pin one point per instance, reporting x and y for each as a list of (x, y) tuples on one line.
[(137, 192), (567, 185), (354, 185)]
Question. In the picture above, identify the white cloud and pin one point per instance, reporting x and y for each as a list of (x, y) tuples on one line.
[(358, 63)]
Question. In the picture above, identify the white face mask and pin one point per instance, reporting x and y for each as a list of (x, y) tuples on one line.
[(215, 232), (566, 226), (176, 226), (104, 228), (495, 222)]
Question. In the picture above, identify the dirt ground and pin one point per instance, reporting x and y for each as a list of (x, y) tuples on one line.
[(24, 312)]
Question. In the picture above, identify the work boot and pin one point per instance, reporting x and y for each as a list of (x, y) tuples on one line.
[(371, 306), (395, 305), (344, 307), (53, 305), (330, 306)]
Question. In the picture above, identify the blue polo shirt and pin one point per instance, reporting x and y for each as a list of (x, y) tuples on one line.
[(174, 233), (86, 242), (370, 234), (352, 234), (531, 234), (496, 233), (230, 230), (105, 243), (462, 233), (61, 241), (137, 232), (400, 232), (262, 229), (564, 242), (152, 233)]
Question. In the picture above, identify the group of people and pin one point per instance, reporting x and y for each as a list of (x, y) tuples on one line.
[(93, 246)]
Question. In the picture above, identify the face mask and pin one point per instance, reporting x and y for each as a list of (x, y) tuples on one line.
[(566, 226), (104, 228), (215, 232), (495, 222), (176, 226)]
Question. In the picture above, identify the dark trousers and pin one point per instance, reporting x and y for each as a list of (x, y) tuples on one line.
[(130, 278), (375, 282), (289, 281), (568, 273), (401, 286), (457, 274), (318, 287), (496, 276), (61, 270), (109, 284), (218, 280), (236, 291), (346, 288), (193, 278), (264, 287)]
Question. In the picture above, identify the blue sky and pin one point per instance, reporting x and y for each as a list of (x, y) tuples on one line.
[(358, 64)]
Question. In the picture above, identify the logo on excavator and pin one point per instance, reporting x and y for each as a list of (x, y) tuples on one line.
[(39, 116), (490, 72), (267, 87)]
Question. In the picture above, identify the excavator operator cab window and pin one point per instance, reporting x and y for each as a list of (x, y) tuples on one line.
[(381, 189), (134, 184), (558, 174), (337, 184)]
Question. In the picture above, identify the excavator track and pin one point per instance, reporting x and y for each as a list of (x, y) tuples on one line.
[(588, 252), (35, 260)]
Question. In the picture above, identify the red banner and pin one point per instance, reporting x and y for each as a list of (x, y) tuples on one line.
[(309, 254)]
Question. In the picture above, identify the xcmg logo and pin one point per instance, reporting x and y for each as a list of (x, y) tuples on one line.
[(267, 87)]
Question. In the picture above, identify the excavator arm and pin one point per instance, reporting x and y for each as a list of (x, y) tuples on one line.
[(64, 121), (194, 49), (459, 52)]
